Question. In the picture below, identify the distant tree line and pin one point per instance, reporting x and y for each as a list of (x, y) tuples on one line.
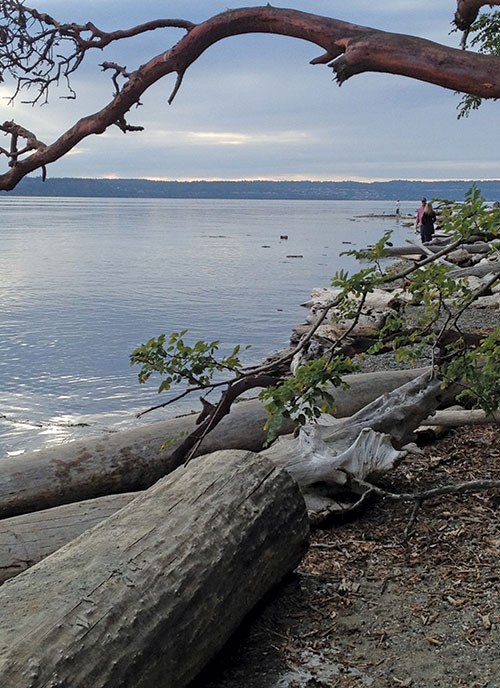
[(402, 190)]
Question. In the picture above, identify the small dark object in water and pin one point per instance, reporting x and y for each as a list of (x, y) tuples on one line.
[(265, 247), (347, 242), (283, 236), (295, 256)]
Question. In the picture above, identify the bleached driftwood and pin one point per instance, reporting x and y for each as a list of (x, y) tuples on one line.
[(361, 447), (146, 598), (378, 299), (455, 418), (480, 270), (131, 460), (366, 325), (489, 301), (430, 429), (27, 539), (458, 257)]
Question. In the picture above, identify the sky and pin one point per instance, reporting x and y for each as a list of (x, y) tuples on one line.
[(252, 107)]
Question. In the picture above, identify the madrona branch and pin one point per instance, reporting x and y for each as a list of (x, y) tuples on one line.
[(348, 49)]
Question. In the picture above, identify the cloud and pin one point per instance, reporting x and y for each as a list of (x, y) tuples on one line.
[(227, 138)]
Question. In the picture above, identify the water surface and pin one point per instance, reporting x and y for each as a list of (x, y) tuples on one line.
[(85, 281)]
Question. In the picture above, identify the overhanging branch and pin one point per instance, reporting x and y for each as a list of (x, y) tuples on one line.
[(350, 50), (468, 10)]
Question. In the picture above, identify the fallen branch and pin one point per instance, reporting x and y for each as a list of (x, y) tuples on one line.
[(456, 418), (469, 486)]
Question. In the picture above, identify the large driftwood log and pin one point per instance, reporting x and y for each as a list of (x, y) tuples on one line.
[(326, 453), (131, 460), (27, 539), (361, 447), (147, 597)]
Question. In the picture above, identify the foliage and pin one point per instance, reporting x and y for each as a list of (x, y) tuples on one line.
[(462, 220), (477, 370), (179, 363), (305, 396)]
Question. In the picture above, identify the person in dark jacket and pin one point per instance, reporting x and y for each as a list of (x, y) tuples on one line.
[(427, 223)]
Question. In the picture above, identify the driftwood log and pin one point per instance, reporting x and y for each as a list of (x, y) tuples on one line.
[(480, 270), (327, 459), (353, 446), (131, 460), (147, 597), (27, 539)]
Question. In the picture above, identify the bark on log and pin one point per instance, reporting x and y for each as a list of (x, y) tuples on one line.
[(131, 460), (146, 598), (27, 539)]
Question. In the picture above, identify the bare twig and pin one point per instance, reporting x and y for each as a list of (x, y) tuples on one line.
[(469, 486)]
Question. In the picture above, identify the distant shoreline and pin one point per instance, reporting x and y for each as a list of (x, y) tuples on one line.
[(402, 190)]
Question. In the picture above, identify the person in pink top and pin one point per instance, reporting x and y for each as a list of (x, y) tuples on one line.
[(420, 213)]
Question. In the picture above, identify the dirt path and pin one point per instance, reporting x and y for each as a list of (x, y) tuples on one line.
[(367, 609)]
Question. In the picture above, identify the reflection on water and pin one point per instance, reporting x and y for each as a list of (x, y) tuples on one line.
[(83, 282)]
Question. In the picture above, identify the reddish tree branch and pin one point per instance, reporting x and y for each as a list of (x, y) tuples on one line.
[(467, 11), (350, 49), (213, 414)]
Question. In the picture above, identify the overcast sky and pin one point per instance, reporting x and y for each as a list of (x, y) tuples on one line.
[(253, 107)]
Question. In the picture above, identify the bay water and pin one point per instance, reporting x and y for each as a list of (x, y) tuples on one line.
[(84, 281)]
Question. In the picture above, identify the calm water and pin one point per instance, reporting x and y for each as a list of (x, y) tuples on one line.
[(85, 281)]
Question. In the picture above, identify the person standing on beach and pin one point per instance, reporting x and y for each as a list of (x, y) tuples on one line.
[(427, 225), (420, 212)]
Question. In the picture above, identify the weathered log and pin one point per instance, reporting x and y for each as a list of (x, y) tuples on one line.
[(491, 301), (147, 597), (378, 299), (402, 251), (480, 270), (360, 447), (455, 418), (477, 247), (27, 539), (431, 430), (132, 460)]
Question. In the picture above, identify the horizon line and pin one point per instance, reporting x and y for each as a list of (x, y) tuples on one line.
[(358, 180)]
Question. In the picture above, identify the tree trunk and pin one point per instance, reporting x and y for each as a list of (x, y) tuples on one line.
[(131, 460), (27, 539), (147, 597)]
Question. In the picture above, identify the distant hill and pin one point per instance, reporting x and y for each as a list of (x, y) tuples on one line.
[(402, 190)]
